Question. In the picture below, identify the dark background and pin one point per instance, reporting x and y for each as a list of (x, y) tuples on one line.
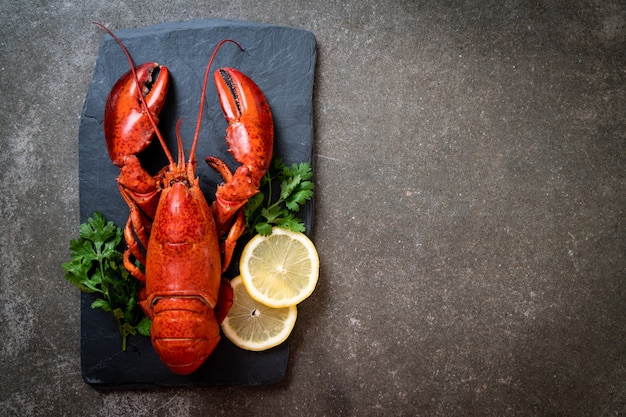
[(471, 179)]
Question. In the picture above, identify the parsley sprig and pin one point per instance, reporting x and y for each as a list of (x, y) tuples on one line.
[(271, 207), (97, 267)]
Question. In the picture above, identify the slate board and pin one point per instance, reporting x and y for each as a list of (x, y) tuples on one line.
[(282, 62)]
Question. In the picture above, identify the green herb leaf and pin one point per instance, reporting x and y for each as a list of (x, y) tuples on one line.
[(264, 229), (96, 266), (101, 304), (144, 326), (267, 208)]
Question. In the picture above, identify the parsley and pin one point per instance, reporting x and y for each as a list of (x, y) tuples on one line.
[(97, 267), (270, 207)]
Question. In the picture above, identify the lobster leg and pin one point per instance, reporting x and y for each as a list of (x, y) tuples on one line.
[(141, 194), (239, 224), (135, 225), (225, 300), (234, 233), (139, 186)]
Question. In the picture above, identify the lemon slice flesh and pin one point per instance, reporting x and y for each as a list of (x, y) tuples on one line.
[(281, 269), (255, 326)]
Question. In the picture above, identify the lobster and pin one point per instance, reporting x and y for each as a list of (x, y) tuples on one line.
[(184, 243)]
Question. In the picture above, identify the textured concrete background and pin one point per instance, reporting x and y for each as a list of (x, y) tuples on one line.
[(471, 171)]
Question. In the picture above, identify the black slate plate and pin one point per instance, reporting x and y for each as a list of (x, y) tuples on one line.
[(281, 61)]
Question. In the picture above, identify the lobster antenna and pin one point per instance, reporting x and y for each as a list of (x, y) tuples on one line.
[(192, 154), (140, 89), (179, 142)]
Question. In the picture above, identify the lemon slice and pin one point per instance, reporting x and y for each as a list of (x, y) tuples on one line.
[(281, 269), (254, 326)]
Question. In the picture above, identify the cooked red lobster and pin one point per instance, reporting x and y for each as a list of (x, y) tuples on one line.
[(184, 243)]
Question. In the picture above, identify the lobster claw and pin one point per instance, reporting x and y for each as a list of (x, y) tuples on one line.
[(250, 131), (127, 128), (250, 139)]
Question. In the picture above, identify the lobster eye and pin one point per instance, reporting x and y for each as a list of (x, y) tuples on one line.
[(183, 181)]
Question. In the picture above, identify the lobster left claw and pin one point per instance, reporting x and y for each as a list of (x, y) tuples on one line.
[(127, 128)]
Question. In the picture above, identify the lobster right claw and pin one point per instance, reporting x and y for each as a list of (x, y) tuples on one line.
[(127, 128), (250, 139), (250, 131)]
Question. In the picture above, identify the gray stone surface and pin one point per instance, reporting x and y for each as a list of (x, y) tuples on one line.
[(471, 170)]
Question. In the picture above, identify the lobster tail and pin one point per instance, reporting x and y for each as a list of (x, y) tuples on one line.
[(184, 332)]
